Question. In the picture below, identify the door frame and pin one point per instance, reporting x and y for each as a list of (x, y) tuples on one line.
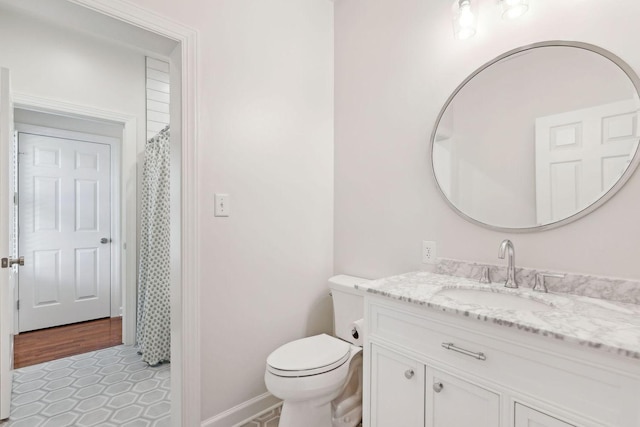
[(116, 273), (6, 212), (185, 278), (125, 221)]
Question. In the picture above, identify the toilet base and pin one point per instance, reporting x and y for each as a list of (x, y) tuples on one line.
[(330, 399), (308, 414)]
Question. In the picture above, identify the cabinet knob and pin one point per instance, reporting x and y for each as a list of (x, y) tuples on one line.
[(409, 374), (437, 387)]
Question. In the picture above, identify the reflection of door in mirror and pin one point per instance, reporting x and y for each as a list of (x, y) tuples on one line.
[(580, 155), (498, 167)]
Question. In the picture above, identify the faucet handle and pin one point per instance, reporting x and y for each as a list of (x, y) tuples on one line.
[(540, 284), (485, 277)]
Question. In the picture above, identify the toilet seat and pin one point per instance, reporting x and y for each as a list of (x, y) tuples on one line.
[(308, 356)]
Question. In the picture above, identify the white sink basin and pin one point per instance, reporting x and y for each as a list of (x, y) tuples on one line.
[(495, 299)]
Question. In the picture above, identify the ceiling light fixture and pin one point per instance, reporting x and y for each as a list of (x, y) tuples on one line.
[(512, 9), (464, 19), (465, 14)]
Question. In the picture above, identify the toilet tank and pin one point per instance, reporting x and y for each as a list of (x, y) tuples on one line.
[(348, 304)]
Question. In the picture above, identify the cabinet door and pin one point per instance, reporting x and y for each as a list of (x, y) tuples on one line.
[(453, 402), (397, 390), (527, 417)]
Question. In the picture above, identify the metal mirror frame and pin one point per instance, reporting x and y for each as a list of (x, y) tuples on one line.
[(633, 165)]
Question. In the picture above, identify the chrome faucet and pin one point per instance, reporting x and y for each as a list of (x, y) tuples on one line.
[(507, 246), (540, 284)]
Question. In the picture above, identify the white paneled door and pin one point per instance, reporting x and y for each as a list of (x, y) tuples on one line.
[(65, 231), (7, 277), (580, 155)]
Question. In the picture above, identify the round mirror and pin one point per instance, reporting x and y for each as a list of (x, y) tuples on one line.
[(538, 137)]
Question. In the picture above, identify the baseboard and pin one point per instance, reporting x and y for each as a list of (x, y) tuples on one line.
[(244, 412)]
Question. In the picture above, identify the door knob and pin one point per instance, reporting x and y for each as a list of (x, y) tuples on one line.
[(10, 262), (104, 240)]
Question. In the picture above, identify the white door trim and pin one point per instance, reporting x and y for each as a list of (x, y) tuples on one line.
[(185, 305), (116, 305), (6, 215)]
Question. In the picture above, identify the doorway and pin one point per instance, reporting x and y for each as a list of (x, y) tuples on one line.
[(185, 380), (68, 197)]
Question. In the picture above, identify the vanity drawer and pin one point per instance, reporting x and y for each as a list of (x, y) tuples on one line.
[(603, 397), (427, 337)]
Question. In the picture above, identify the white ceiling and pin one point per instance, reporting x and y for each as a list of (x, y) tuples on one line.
[(77, 18)]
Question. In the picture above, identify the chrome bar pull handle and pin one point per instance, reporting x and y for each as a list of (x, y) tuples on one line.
[(476, 355)]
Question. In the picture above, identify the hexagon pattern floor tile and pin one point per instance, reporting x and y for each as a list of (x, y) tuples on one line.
[(106, 388), (268, 419)]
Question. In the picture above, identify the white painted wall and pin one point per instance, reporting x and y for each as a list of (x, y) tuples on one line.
[(95, 127), (395, 65), (265, 96), (55, 63)]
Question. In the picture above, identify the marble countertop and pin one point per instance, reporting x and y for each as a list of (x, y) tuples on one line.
[(604, 325)]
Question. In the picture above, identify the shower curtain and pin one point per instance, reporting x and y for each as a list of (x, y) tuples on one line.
[(153, 327)]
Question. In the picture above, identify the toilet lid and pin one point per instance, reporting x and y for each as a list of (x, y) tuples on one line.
[(308, 356)]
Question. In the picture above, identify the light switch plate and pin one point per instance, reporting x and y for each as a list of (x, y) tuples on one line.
[(222, 208)]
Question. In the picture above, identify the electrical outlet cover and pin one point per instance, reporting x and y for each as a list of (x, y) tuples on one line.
[(428, 252)]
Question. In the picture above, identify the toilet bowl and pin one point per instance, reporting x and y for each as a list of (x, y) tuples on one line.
[(319, 378)]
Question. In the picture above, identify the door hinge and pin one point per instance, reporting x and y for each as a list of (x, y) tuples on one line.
[(15, 198), (18, 305)]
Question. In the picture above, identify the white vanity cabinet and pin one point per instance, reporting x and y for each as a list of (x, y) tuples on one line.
[(451, 401), (408, 393), (397, 385), (527, 417), (488, 375)]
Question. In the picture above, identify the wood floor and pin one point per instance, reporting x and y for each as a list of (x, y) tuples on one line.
[(31, 348)]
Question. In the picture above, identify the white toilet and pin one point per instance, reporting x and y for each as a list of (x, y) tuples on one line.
[(319, 378)]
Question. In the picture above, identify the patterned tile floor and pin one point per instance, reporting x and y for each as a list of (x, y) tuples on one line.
[(268, 419), (106, 388)]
